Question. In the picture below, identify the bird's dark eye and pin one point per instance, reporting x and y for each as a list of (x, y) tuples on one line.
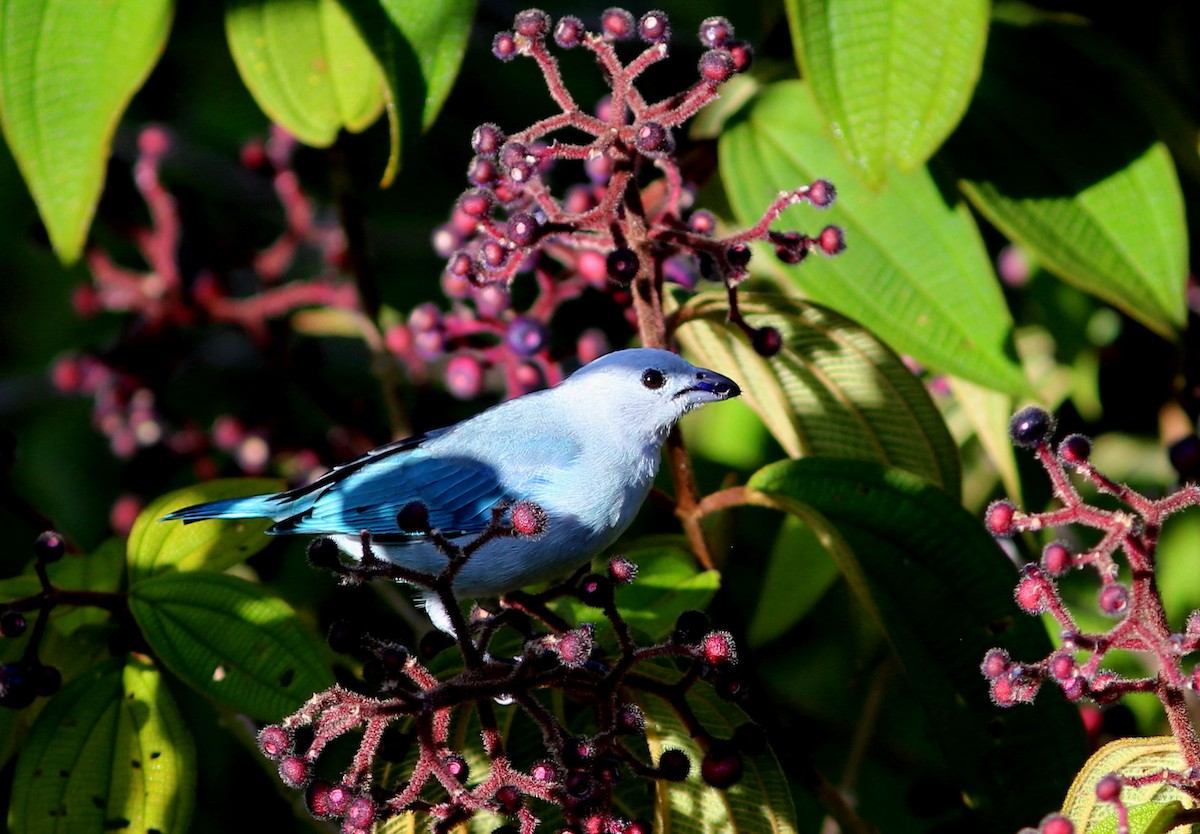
[(653, 379)]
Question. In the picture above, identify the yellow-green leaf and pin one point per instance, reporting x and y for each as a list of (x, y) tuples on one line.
[(109, 752), (893, 77), (306, 65), (833, 390), (156, 546), (1152, 807), (67, 71)]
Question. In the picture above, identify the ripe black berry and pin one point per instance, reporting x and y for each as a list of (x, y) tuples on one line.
[(595, 590), (716, 66), (715, 31), (344, 638), (674, 765), (1030, 426), (1075, 449), (721, 766), (324, 553), (49, 547), (653, 140), (622, 265), (12, 623), (690, 627), (766, 341), (16, 690)]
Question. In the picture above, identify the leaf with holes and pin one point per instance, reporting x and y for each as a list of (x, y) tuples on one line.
[(915, 271), (231, 640), (157, 546), (833, 390), (66, 75), (111, 751), (940, 590), (889, 93)]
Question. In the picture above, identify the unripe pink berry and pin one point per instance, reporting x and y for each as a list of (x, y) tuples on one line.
[(275, 742), (716, 66), (294, 771), (995, 663), (621, 570), (718, 647), (1031, 595), (1108, 789), (999, 518), (1056, 559), (1056, 824), (821, 193), (464, 377), (528, 519), (1114, 599), (831, 240), (574, 647)]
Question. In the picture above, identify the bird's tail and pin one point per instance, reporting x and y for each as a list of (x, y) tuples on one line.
[(251, 506)]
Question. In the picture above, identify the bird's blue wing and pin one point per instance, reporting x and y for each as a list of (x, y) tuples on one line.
[(458, 494)]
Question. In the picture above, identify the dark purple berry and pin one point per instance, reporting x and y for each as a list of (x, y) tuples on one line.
[(16, 689), (595, 590), (544, 772), (742, 53), (522, 229), (344, 638), (622, 265), (716, 66), (532, 23), (1184, 455), (432, 643), (729, 685), (569, 32), (487, 140), (631, 719), (766, 341), (1074, 450), (653, 27), (12, 623), (508, 800), (652, 139), (689, 628), (317, 800), (325, 554), (476, 202), (674, 765), (616, 24), (738, 255), (275, 742), (1030, 426), (715, 31), (482, 171), (504, 46), (721, 766), (49, 547)]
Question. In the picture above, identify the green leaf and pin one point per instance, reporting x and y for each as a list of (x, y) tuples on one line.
[(109, 752), (940, 590), (1056, 155), (157, 546), (67, 72), (230, 640), (914, 272), (306, 65), (799, 572), (1152, 807), (887, 91), (833, 390), (760, 802), (101, 570)]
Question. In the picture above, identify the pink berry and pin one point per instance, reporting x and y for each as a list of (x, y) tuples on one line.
[(1114, 599), (995, 663), (528, 519), (1108, 789), (1056, 559), (718, 647), (1031, 595), (999, 518)]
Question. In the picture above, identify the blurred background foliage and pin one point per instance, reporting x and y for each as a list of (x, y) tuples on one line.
[(1053, 269)]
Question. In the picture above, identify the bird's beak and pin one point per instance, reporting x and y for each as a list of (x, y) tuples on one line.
[(712, 387)]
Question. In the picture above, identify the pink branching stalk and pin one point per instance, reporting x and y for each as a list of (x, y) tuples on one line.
[(1129, 535)]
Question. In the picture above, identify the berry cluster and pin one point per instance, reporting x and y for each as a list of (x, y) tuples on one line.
[(1139, 619), (29, 678), (169, 307), (626, 230), (578, 769)]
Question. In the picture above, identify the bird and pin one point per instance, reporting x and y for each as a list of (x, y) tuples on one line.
[(584, 452)]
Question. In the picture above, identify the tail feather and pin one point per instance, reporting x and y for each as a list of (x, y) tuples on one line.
[(252, 506)]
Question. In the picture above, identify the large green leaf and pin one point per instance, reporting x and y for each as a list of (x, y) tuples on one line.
[(941, 591), (67, 72), (759, 802), (231, 640), (306, 65), (893, 77), (109, 752), (915, 271), (1058, 157), (833, 390), (157, 546)]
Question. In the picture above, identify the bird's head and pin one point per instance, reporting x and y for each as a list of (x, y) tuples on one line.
[(649, 389)]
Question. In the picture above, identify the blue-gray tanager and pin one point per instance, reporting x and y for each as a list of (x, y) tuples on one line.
[(585, 451)]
